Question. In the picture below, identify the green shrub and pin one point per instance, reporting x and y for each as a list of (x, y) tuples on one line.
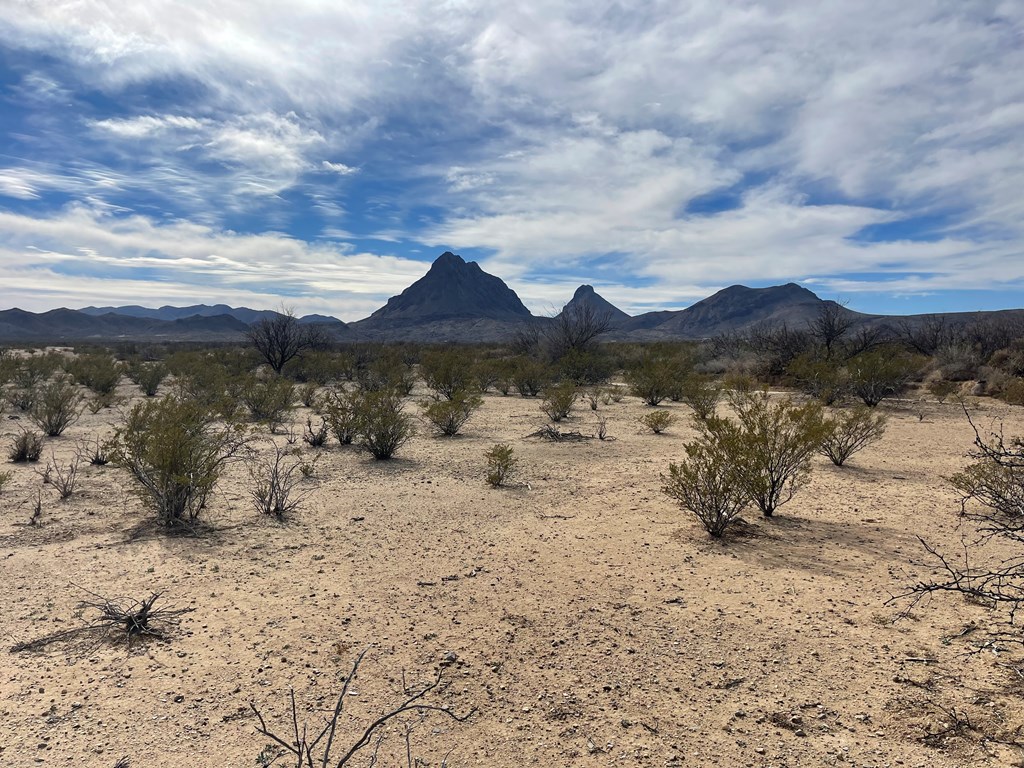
[(850, 432), (658, 421), (149, 377), (338, 408), (585, 367), (381, 423), (57, 407), (176, 450), (449, 416), (558, 400), (268, 399), (308, 392), (529, 376), (653, 379), (773, 443), (97, 372), (701, 393), (387, 372), (501, 463), (824, 380), (26, 446), (448, 372), (1012, 391), (708, 482), (5, 480), (880, 373), (941, 389)]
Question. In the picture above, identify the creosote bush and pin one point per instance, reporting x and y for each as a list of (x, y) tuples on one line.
[(26, 446), (501, 463), (274, 482), (654, 379), (658, 421), (176, 450), (381, 423), (558, 400), (448, 372), (708, 483), (98, 372), (880, 373), (772, 443), (268, 399), (529, 376), (847, 433), (338, 409), (57, 407), (701, 393), (449, 416), (5, 479), (149, 377)]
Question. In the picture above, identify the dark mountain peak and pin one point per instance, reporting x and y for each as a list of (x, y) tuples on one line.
[(453, 288), (586, 296)]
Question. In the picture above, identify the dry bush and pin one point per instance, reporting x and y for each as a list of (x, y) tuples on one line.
[(992, 498), (63, 477), (941, 389), (274, 482), (317, 437), (501, 463), (658, 421), (708, 483), (847, 433), (57, 407), (824, 380), (772, 442), (176, 450), (95, 451), (5, 479), (281, 338), (449, 416), (25, 446), (381, 423), (308, 392), (558, 400)]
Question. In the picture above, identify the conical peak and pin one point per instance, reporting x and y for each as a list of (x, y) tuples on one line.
[(583, 290), (448, 259)]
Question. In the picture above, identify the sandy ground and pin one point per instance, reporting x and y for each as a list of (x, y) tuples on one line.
[(588, 620)]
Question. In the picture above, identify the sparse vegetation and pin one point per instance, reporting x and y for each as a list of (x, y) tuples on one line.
[(273, 483), (701, 393), (57, 407), (558, 400), (449, 416), (879, 374), (149, 377), (63, 477), (849, 432), (339, 410), (282, 338), (98, 372), (708, 482), (501, 464), (269, 400), (315, 437), (176, 450), (26, 446), (658, 421), (381, 423)]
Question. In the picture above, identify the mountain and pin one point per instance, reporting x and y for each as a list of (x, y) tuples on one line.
[(451, 289), (70, 325), (167, 312), (587, 297), (735, 308)]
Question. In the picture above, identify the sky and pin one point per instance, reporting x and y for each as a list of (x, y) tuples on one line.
[(318, 154)]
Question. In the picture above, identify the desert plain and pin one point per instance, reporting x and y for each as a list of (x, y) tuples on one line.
[(580, 615)]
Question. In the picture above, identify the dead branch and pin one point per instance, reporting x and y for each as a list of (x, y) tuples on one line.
[(549, 432), (305, 749)]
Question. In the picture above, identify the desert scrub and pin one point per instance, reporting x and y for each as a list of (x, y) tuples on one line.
[(501, 463), (708, 482), (558, 400), (5, 479), (268, 399), (273, 483), (701, 393), (338, 409), (772, 444), (381, 423), (149, 377), (25, 446), (881, 373), (315, 437), (847, 433), (448, 372), (98, 372), (529, 376), (657, 421), (449, 416), (57, 406), (176, 450), (654, 379)]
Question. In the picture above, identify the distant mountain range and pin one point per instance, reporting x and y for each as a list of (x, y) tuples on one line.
[(455, 301)]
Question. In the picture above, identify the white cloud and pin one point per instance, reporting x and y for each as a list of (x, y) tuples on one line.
[(83, 256), (339, 168)]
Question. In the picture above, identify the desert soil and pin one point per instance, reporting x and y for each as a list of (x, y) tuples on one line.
[(586, 618)]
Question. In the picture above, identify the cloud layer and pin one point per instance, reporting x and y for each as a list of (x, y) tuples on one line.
[(659, 150)]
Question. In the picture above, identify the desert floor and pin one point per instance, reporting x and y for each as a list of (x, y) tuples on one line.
[(586, 618)]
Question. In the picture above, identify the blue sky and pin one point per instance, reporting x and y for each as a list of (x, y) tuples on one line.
[(320, 154)]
